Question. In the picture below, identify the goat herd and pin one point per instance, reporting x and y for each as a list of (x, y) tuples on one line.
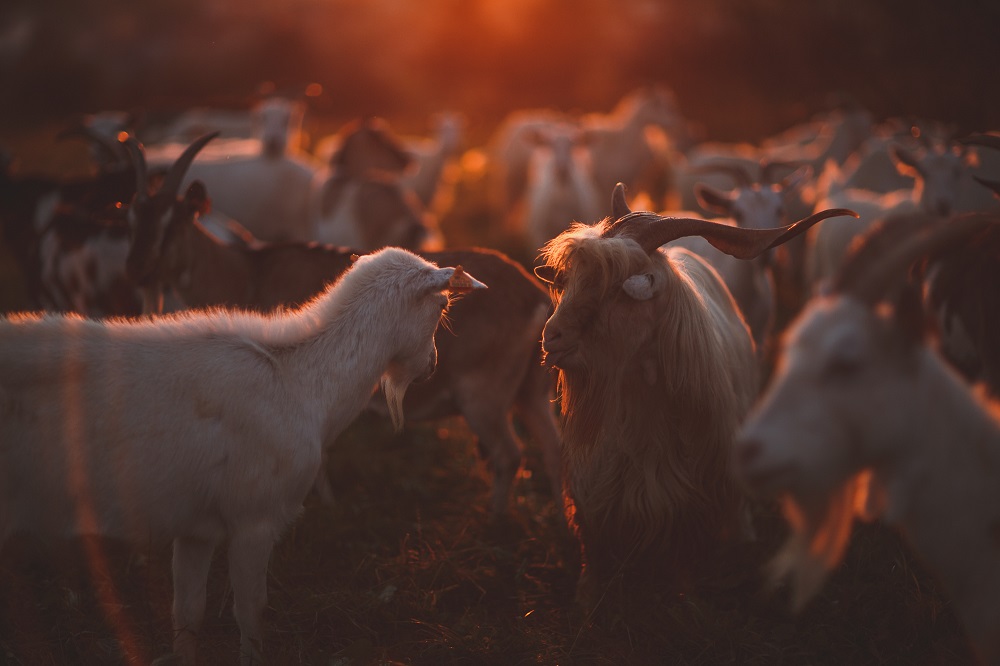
[(202, 329)]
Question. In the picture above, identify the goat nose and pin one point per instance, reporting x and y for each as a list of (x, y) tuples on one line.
[(550, 334)]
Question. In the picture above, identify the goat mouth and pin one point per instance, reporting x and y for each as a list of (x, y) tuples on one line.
[(558, 358)]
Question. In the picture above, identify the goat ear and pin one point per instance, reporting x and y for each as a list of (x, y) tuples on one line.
[(713, 199), (456, 280), (546, 273), (639, 287)]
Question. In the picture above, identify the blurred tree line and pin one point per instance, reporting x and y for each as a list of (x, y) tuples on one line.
[(743, 68)]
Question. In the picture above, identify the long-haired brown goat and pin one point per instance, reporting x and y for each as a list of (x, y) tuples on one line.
[(656, 371)]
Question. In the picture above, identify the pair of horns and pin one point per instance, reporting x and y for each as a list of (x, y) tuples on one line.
[(172, 181), (651, 231)]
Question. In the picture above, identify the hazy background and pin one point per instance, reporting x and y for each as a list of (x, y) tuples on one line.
[(742, 68)]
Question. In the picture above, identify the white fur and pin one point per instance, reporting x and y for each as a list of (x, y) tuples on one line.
[(938, 181), (855, 424), (204, 426), (561, 188), (257, 181)]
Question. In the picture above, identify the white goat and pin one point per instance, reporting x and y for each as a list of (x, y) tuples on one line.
[(207, 426), (256, 182), (275, 122), (432, 157), (840, 133), (753, 206), (561, 188), (619, 147), (938, 173), (864, 420)]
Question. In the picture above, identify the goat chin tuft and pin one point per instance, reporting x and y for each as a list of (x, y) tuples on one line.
[(394, 392)]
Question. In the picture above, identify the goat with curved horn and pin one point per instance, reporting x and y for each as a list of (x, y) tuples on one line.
[(158, 206), (651, 231)]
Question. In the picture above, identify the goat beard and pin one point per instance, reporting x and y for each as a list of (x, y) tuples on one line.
[(394, 392)]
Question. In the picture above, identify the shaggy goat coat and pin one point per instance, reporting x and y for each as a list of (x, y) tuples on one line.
[(651, 403)]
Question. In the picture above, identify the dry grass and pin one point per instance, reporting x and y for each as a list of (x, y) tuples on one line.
[(407, 568)]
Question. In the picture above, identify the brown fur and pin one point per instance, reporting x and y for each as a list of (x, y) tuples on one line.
[(647, 465)]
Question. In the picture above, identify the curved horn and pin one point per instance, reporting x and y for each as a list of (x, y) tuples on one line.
[(987, 140), (619, 207), (739, 172), (138, 158), (882, 258), (651, 231), (172, 181)]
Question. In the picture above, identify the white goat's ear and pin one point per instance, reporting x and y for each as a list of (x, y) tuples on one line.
[(456, 280), (639, 287)]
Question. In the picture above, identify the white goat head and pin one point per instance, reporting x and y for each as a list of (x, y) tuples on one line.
[(753, 204), (840, 403), (276, 121), (938, 171), (416, 360)]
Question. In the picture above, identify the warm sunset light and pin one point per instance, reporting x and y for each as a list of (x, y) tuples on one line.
[(638, 332)]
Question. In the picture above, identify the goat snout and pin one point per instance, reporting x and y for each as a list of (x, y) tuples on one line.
[(555, 347)]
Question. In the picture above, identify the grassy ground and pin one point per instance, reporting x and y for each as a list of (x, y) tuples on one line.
[(406, 567)]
